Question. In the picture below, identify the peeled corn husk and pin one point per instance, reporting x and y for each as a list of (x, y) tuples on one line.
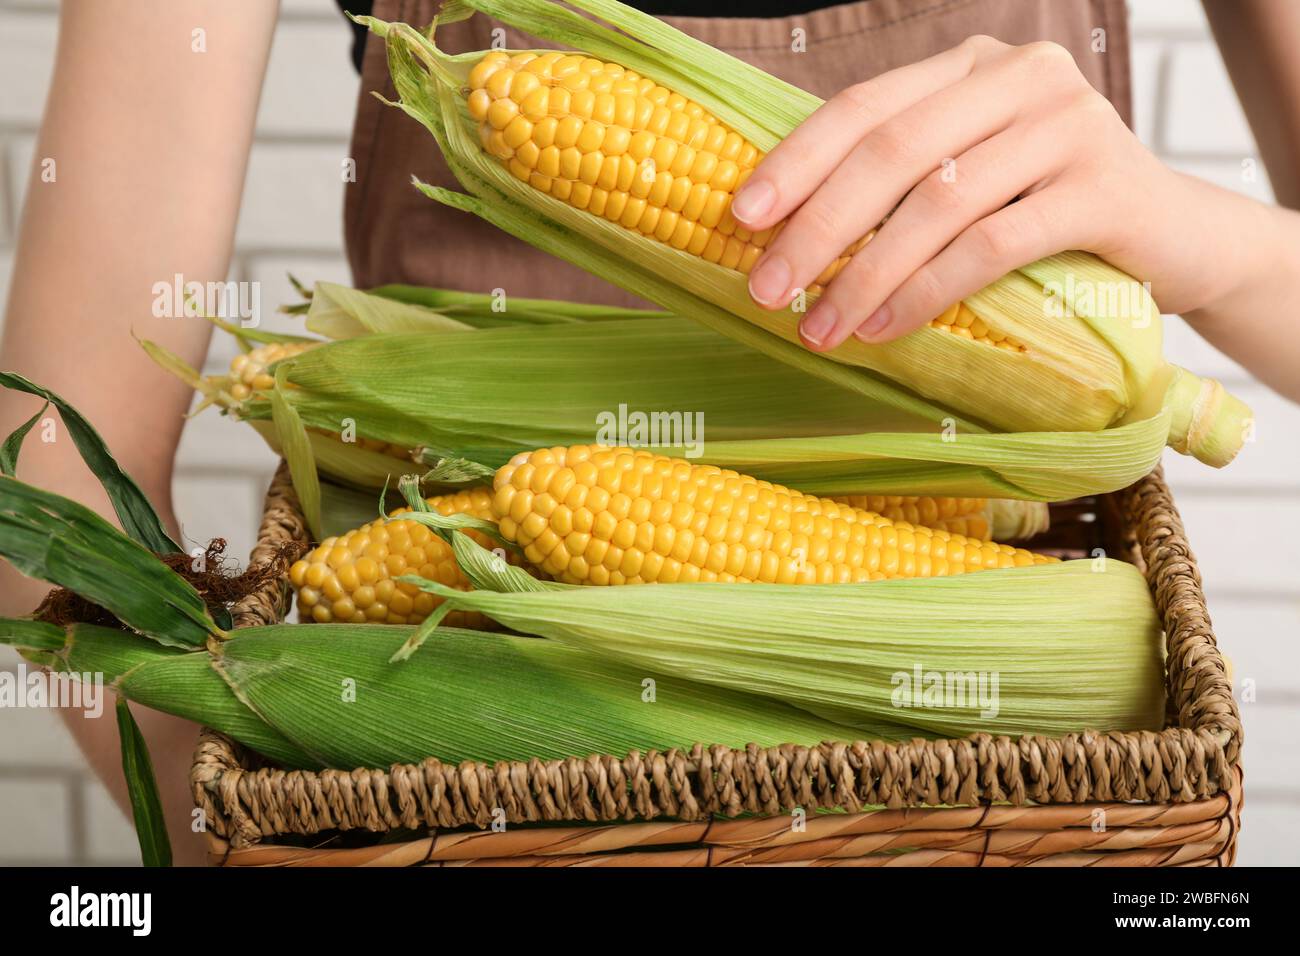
[(1093, 359)]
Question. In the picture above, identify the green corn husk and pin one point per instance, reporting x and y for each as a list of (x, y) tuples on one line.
[(446, 393), (773, 421), (1074, 646), (338, 312), (310, 696), (1093, 335)]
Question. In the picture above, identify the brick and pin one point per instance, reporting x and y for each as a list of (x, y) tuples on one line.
[(1271, 461), (18, 161), (1166, 16), (1202, 115), (6, 272), (1271, 758), (27, 51), (34, 827), (221, 350), (273, 271), (38, 737), (1258, 635), (311, 86), (1270, 832), (313, 9), (213, 441), (293, 198), (8, 211), (214, 505), (1244, 544), (110, 835)]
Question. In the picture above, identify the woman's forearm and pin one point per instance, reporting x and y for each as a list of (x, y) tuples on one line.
[(1254, 320), (137, 178), (138, 173)]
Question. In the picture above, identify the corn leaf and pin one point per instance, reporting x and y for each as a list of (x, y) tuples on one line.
[(296, 447), (31, 635), (48, 537), (260, 336), (338, 312), (14, 443), (142, 788), (133, 509)]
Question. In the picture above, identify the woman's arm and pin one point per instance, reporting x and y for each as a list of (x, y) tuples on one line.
[(987, 157), (1258, 40), (138, 174)]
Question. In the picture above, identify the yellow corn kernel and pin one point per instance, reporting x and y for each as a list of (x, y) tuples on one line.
[(705, 523), (601, 111), (350, 578)]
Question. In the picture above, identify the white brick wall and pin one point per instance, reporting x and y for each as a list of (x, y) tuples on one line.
[(1243, 522)]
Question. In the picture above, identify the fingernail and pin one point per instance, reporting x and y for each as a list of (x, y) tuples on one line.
[(770, 280), (753, 200), (819, 323), (875, 324)]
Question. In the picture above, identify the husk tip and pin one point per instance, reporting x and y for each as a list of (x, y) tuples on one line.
[(1208, 422)]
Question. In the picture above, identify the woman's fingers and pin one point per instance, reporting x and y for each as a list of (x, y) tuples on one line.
[(1039, 225), (945, 203), (803, 160), (901, 152)]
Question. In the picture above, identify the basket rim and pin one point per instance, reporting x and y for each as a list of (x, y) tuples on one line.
[(1195, 759)]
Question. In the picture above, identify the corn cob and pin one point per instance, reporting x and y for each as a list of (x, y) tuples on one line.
[(995, 519), (350, 578), (248, 370), (618, 145), (248, 375), (963, 516), (588, 156), (596, 515)]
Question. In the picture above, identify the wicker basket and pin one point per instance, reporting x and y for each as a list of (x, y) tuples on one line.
[(1171, 798)]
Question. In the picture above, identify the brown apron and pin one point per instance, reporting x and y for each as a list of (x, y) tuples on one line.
[(394, 234)]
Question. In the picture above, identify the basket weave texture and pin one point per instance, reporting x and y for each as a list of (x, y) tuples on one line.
[(1123, 799)]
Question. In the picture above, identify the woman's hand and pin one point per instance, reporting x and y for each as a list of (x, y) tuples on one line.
[(1000, 155)]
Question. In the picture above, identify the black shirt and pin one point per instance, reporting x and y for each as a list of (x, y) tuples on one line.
[(662, 8)]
